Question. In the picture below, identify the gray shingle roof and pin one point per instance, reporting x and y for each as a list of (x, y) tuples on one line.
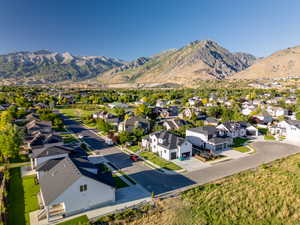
[(170, 141), (66, 172), (207, 130)]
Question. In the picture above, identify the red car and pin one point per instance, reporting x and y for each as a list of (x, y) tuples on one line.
[(134, 157)]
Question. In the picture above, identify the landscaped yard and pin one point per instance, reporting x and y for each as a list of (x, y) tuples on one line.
[(22, 198), (237, 142), (81, 220), (159, 161), (242, 149), (267, 195), (269, 138), (134, 148)]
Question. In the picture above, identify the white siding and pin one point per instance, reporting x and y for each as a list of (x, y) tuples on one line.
[(97, 194)]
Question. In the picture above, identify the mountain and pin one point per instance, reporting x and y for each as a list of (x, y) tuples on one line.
[(197, 60), (45, 66), (283, 63)]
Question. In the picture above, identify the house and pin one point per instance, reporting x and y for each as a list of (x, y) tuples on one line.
[(247, 111), (73, 185), (232, 129), (40, 140), (41, 155), (194, 101), (288, 128), (31, 116), (208, 137), (174, 124), (117, 105), (161, 103), (211, 121), (263, 117), (107, 117), (134, 122), (167, 145), (277, 111), (189, 112), (171, 111), (38, 125)]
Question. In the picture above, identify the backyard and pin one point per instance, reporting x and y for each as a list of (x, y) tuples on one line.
[(81, 220), (22, 197), (159, 161)]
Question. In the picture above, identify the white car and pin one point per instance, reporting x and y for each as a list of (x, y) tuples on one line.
[(80, 136)]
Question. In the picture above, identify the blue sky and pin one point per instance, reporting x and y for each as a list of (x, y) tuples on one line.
[(128, 29)]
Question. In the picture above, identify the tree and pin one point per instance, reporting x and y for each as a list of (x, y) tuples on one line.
[(103, 126), (298, 115), (124, 137), (142, 110), (10, 138)]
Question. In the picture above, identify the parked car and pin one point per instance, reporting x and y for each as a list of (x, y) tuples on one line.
[(134, 157)]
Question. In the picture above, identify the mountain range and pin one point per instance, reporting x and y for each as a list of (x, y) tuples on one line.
[(196, 61)]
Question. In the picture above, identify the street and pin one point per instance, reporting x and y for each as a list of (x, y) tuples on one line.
[(160, 183)]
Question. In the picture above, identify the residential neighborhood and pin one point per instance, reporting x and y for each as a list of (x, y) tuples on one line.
[(90, 159)]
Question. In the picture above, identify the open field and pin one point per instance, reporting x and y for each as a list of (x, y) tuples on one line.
[(269, 194), (22, 197)]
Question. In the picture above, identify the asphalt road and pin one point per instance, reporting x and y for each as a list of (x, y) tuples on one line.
[(159, 183), (150, 179)]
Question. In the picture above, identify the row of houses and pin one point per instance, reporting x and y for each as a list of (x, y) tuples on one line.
[(69, 182), (214, 139)]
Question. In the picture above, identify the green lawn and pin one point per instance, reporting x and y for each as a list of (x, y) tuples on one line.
[(269, 138), (134, 148), (242, 149), (119, 182), (159, 161), (22, 198), (81, 220), (237, 142)]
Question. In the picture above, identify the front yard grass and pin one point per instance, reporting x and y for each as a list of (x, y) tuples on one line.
[(22, 197), (69, 138), (159, 161), (237, 142), (242, 149), (134, 148), (81, 220), (269, 138)]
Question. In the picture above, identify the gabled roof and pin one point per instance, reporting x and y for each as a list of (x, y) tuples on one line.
[(295, 123), (207, 130), (58, 150), (66, 172), (41, 139), (170, 141)]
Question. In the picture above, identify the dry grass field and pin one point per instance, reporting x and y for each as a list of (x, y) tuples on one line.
[(269, 194)]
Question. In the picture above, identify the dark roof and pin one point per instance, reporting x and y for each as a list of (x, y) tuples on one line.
[(219, 140), (59, 150), (211, 120), (169, 140), (41, 139), (295, 123), (66, 172), (47, 165), (207, 130)]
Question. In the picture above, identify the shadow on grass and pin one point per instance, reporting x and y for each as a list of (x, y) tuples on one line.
[(16, 204)]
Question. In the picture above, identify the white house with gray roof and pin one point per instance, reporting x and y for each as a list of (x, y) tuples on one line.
[(288, 128), (167, 145), (73, 185), (208, 137)]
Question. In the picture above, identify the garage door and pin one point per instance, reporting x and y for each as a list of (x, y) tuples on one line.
[(173, 155)]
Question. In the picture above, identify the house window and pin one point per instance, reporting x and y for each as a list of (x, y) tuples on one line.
[(83, 188)]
